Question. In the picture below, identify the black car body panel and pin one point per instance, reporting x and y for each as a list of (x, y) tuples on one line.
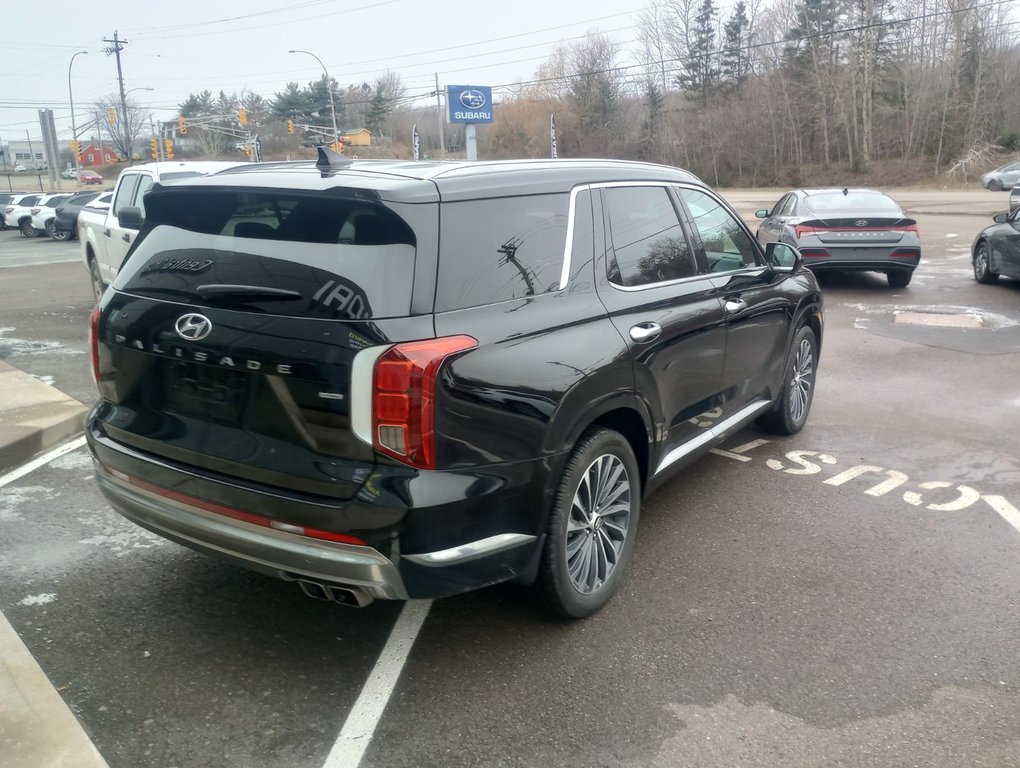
[(66, 219), (264, 329)]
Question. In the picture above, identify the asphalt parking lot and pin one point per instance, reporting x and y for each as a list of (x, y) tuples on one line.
[(848, 596)]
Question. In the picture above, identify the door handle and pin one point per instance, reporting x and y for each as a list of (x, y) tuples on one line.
[(735, 305), (126, 237), (642, 333), (106, 232)]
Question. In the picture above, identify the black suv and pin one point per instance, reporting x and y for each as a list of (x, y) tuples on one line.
[(386, 379)]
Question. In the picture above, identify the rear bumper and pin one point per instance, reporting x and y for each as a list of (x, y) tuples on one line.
[(395, 562), (826, 256)]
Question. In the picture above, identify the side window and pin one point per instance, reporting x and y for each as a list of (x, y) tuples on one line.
[(145, 183), (582, 242), (500, 249), (648, 243), (125, 194), (791, 205), (727, 244), (777, 209)]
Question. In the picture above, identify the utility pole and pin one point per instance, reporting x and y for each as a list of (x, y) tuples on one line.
[(116, 47), (439, 108)]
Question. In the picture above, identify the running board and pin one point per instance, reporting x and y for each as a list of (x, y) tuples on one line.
[(717, 432)]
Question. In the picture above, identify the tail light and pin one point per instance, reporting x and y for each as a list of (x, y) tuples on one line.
[(799, 231), (94, 343), (815, 253), (404, 398), (909, 228)]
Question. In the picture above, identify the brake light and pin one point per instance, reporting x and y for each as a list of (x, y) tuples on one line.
[(815, 253), (799, 231), (94, 342), (910, 228), (404, 398)]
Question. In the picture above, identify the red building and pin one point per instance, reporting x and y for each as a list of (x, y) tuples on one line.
[(98, 153)]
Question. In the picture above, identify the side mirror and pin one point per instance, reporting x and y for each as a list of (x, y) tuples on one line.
[(782, 257), (1000, 218), (131, 218), (762, 214)]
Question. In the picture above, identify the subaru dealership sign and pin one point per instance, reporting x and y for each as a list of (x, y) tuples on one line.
[(469, 104)]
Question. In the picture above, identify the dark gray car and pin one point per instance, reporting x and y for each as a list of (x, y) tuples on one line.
[(845, 229), (996, 250)]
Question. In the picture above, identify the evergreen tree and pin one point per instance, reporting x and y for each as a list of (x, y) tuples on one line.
[(734, 63), (700, 68)]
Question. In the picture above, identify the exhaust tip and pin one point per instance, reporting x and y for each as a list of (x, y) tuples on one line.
[(334, 593)]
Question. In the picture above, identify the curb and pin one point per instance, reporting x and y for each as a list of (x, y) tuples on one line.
[(37, 730), (34, 416)]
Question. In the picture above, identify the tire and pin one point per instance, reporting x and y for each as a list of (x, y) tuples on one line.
[(28, 230), (995, 185), (97, 280), (61, 235), (899, 278), (590, 537), (983, 265), (790, 413), (51, 228)]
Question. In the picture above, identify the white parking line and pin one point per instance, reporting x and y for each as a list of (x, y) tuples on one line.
[(361, 723), (46, 458)]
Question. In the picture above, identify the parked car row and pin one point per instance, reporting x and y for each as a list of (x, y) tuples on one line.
[(54, 214)]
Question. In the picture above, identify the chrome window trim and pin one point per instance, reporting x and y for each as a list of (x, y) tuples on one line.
[(568, 246)]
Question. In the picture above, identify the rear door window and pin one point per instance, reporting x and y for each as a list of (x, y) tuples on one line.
[(648, 242), (274, 251), (126, 193), (500, 249)]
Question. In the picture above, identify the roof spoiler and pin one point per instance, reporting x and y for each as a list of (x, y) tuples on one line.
[(331, 161)]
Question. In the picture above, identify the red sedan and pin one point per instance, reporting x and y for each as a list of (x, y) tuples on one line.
[(89, 177)]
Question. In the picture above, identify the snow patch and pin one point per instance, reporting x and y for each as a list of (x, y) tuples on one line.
[(951, 234), (76, 460), (125, 542), (13, 346), (12, 499), (43, 599)]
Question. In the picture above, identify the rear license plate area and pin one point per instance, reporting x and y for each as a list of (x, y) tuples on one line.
[(206, 393)]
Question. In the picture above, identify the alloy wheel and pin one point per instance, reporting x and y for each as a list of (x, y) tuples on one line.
[(802, 380), (599, 522)]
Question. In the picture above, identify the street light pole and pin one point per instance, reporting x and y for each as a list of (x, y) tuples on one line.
[(70, 97), (329, 89)]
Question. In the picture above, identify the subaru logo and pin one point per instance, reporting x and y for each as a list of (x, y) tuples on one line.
[(193, 327), (861, 222), (472, 99)]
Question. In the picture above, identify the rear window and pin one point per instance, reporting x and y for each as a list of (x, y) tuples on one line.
[(853, 201), (274, 251), (500, 249)]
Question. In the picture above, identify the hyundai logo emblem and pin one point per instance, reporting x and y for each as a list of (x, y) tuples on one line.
[(472, 99), (861, 222), (193, 327)]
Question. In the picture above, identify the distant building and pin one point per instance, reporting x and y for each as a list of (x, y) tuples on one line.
[(357, 137), (19, 152), (98, 153)]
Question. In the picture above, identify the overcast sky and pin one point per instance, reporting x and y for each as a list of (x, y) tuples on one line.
[(178, 47)]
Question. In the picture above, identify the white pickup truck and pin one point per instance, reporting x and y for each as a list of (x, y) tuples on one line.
[(104, 242)]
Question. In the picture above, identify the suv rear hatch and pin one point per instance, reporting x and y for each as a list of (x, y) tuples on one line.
[(228, 338)]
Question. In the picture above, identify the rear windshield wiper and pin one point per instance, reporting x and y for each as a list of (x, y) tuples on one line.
[(245, 292)]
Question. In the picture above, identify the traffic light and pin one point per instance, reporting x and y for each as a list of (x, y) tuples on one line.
[(111, 115), (242, 117), (182, 125), (75, 147), (290, 126), (154, 148), (168, 147)]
